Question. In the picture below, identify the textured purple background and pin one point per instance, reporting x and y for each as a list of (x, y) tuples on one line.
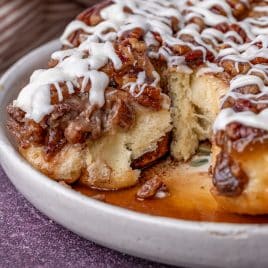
[(30, 239)]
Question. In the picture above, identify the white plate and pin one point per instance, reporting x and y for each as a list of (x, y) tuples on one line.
[(178, 242)]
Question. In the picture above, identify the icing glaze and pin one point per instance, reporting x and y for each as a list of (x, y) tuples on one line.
[(157, 16)]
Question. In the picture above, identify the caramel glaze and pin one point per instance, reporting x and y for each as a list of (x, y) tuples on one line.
[(189, 196)]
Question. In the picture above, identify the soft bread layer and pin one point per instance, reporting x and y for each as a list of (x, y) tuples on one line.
[(185, 140), (196, 103), (105, 163), (206, 93), (254, 199)]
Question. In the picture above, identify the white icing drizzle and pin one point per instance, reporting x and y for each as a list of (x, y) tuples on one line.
[(71, 65), (36, 104), (150, 40), (247, 118), (156, 16), (98, 30), (136, 88), (244, 54), (99, 81), (210, 18), (210, 68), (261, 9)]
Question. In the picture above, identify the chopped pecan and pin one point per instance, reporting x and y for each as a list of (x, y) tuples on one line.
[(25, 131), (88, 123), (91, 16), (150, 97), (150, 157), (194, 57), (217, 9), (237, 137), (16, 113), (149, 188), (228, 176), (248, 89), (222, 27), (118, 111), (260, 60), (199, 21), (235, 68), (239, 8), (180, 49), (55, 141), (136, 33), (239, 30)]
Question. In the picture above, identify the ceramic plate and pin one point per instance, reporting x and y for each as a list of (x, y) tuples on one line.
[(177, 242)]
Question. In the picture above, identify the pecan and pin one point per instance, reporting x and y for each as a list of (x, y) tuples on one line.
[(174, 24), (149, 188), (237, 137), (118, 111), (235, 68), (54, 94), (16, 113), (199, 21), (124, 115), (136, 33), (239, 9), (150, 97), (149, 158), (222, 27), (240, 105), (239, 30), (59, 111), (228, 176), (218, 10), (180, 49), (91, 16), (25, 131), (137, 45), (259, 60), (158, 37), (87, 123), (55, 141), (249, 89), (196, 57)]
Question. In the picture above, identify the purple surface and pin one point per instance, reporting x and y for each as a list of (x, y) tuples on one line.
[(30, 239)]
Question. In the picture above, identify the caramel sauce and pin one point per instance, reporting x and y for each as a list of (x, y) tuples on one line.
[(189, 196)]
